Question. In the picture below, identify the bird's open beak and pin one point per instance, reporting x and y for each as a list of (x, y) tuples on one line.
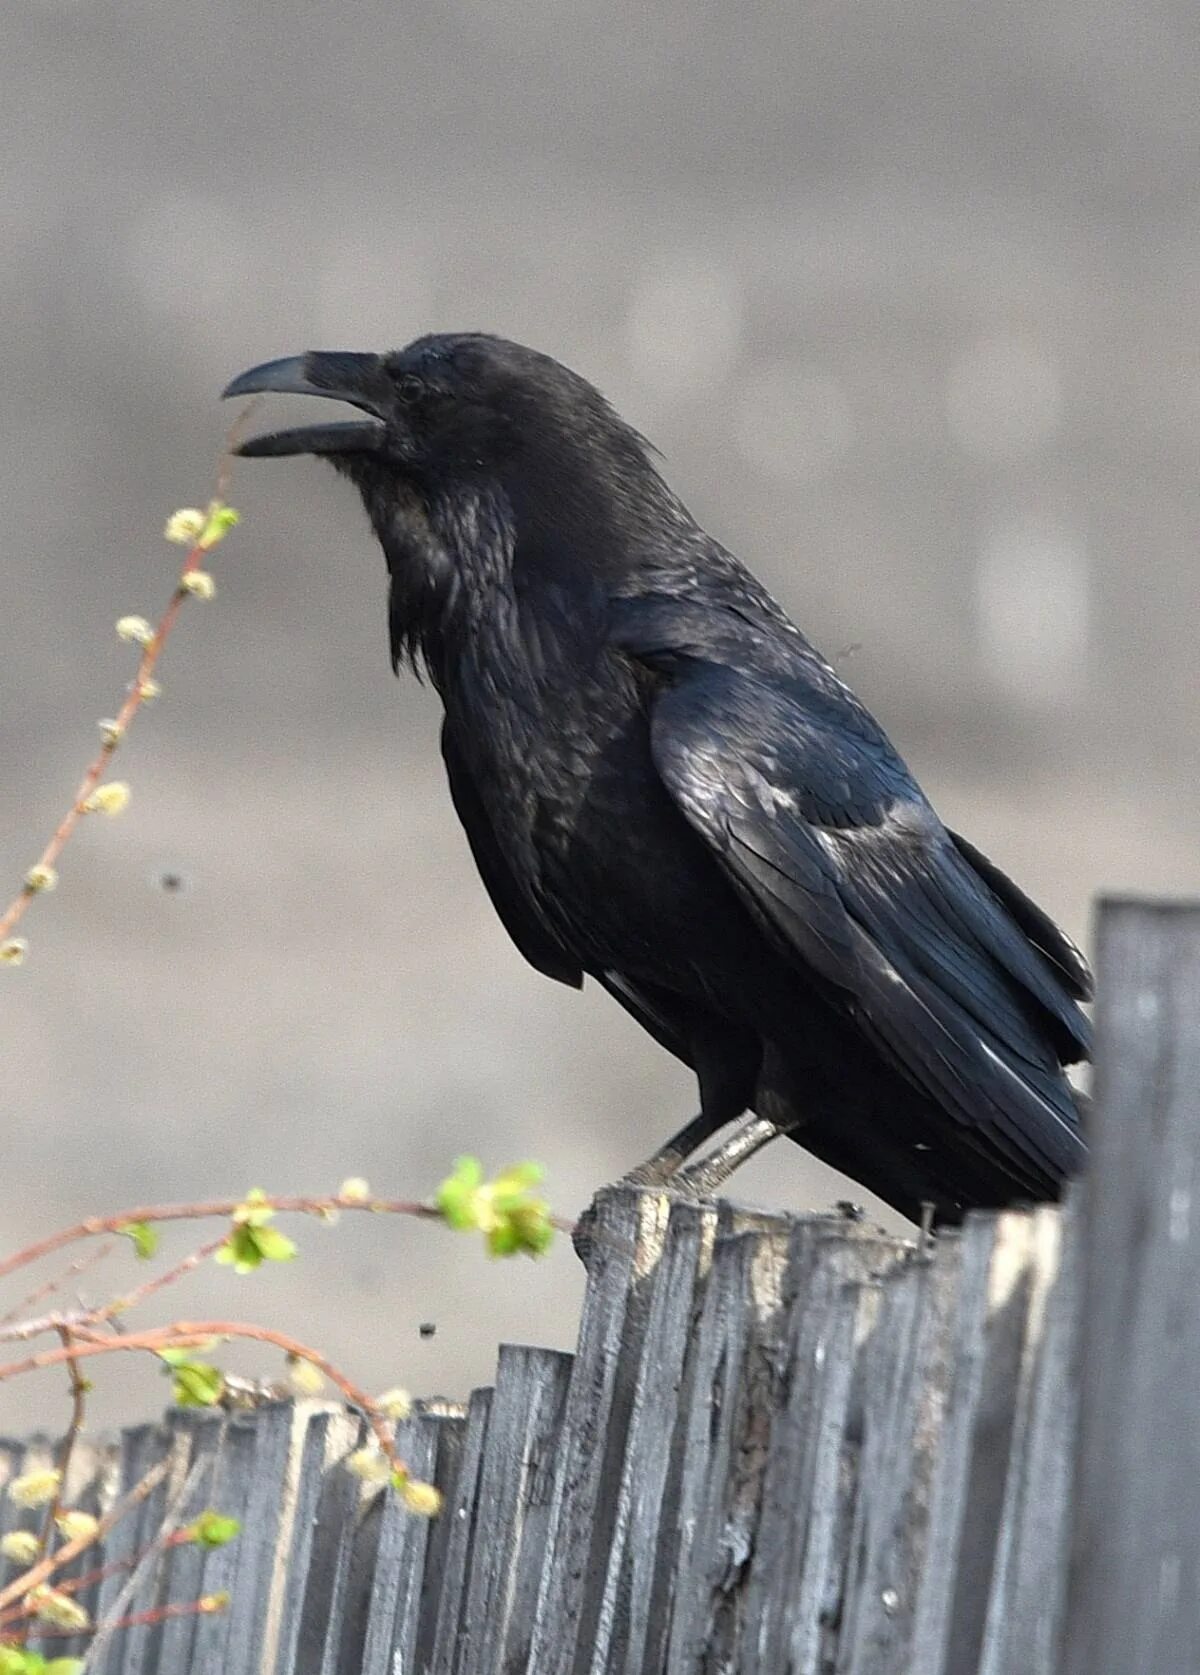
[(355, 379)]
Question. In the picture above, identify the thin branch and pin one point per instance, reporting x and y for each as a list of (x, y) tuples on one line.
[(197, 1334), (67, 1447), (135, 697), (224, 1207), (79, 1266), (205, 1606), (131, 1299), (38, 1573), (166, 1530)]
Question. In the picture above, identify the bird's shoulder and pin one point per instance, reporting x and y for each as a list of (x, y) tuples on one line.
[(744, 700)]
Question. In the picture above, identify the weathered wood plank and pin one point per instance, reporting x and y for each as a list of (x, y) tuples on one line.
[(903, 1377), (461, 1516), (248, 1484), (626, 1245), (1025, 1615), (638, 1583), (515, 1490), (392, 1614), (325, 1436), (1134, 1591), (198, 1434), (970, 1476), (796, 1560), (743, 1296)]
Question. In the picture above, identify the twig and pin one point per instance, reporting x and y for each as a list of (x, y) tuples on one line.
[(20, 1585), (89, 1578), (135, 697), (122, 1305), (205, 1606), (70, 1437), (197, 1334), (167, 1528), (225, 1207), (79, 1266)]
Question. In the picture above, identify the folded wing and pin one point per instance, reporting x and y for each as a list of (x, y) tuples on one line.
[(955, 976)]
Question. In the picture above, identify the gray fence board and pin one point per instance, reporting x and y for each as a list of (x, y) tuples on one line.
[(1135, 1563)]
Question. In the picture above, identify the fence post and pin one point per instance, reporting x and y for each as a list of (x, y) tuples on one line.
[(1133, 1598)]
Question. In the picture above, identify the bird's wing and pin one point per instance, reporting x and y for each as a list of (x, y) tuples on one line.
[(1054, 945), (539, 947), (831, 844)]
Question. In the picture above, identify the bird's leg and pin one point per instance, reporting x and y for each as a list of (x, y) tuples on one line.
[(703, 1179), (664, 1164), (726, 1062)]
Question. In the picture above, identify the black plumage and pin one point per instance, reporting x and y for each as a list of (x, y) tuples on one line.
[(666, 788)]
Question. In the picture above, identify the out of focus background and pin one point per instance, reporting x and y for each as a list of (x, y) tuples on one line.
[(906, 292)]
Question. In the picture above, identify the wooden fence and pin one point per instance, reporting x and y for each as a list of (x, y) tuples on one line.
[(787, 1445)]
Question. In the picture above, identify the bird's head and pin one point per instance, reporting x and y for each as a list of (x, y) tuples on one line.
[(469, 448)]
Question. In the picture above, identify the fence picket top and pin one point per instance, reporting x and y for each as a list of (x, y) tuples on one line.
[(197, 1436), (1025, 1614), (631, 1600), (391, 1616), (515, 1491), (625, 1247), (901, 1382), (323, 1435), (463, 1518)]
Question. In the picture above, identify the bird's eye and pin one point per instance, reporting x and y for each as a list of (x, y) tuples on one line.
[(409, 388)]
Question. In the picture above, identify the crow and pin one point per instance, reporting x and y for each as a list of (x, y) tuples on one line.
[(667, 789)]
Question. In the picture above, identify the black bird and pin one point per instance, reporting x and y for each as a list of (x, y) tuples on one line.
[(666, 788)]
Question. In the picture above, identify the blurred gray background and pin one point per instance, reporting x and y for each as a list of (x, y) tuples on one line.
[(906, 291)]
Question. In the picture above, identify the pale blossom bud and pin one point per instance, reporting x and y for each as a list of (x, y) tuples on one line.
[(77, 1525), (40, 878), (148, 691), (185, 526), (134, 629), (35, 1488), (396, 1403), (304, 1378), (59, 1609), (354, 1187), (111, 732), (20, 1546), (199, 584), (108, 799), (421, 1498), (369, 1463), (13, 950)]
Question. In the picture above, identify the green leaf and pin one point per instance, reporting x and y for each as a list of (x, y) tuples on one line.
[(274, 1246), (254, 1210), (240, 1252), (213, 1529), (145, 1243), (504, 1210), (458, 1195), (178, 1357), (248, 1247), (15, 1660), (510, 1188), (221, 519), (197, 1384)]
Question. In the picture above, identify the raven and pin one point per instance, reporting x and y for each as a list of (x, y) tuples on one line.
[(666, 788)]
